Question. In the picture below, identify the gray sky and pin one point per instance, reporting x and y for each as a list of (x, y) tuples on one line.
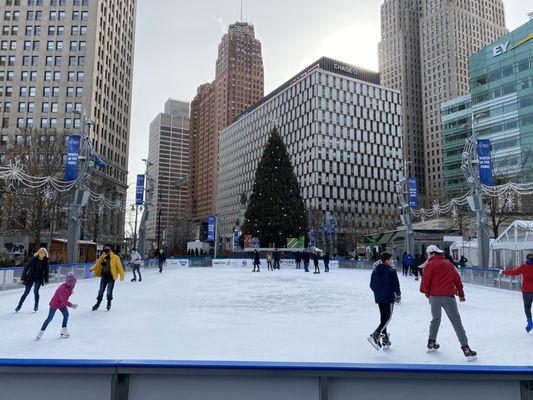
[(176, 46)]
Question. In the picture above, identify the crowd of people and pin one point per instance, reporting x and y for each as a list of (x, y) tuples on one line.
[(441, 284)]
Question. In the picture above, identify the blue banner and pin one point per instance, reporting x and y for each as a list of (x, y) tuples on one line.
[(312, 241), (485, 163), (99, 162), (211, 221), (139, 190), (235, 238), (326, 228), (73, 151), (333, 226), (413, 192)]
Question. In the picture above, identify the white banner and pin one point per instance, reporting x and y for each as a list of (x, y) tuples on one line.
[(248, 262), (177, 262)]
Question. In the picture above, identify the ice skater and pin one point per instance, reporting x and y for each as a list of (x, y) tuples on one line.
[(386, 287), (257, 262), (326, 261), (161, 259), (315, 263), (135, 263), (306, 259), (108, 267), (526, 270), (441, 283), (269, 261), (60, 301), (298, 259), (277, 257), (35, 274)]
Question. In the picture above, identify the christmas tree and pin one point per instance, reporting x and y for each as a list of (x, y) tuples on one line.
[(276, 210)]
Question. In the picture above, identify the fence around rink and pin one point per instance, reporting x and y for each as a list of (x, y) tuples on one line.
[(241, 380)]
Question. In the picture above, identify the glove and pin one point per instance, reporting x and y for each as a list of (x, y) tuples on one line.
[(74, 306), (462, 299), (501, 272), (398, 299)]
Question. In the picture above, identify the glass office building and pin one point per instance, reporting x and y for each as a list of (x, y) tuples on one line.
[(501, 104)]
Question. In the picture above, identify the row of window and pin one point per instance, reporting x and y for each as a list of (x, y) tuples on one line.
[(52, 2), (48, 61), (69, 123), (38, 15), (48, 91)]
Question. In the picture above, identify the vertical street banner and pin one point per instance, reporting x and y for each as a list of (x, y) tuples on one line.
[(139, 190), (255, 243), (485, 163), (326, 229), (413, 192), (333, 226), (235, 239), (73, 152), (211, 221), (312, 241)]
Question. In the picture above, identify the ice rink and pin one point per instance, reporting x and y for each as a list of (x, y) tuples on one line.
[(228, 313)]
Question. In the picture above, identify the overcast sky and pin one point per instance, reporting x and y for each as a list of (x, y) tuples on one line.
[(176, 46)]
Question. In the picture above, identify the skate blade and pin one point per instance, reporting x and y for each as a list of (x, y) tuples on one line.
[(385, 347), (471, 358), (373, 344), (65, 336), (432, 350)]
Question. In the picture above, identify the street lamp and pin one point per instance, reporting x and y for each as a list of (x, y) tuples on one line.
[(402, 188)]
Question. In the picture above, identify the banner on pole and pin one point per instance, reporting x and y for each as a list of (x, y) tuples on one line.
[(312, 241), (235, 239), (326, 228), (332, 225), (211, 221), (139, 190), (73, 152), (255, 243), (485, 163), (413, 192)]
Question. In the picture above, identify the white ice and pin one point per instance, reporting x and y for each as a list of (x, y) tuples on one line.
[(228, 313)]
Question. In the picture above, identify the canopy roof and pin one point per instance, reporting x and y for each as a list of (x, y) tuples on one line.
[(517, 236)]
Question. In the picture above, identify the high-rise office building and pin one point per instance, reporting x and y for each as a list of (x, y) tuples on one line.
[(239, 83), (343, 134), (446, 33), (63, 58), (168, 154)]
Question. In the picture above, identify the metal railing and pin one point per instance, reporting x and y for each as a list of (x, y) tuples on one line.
[(490, 277), (10, 276)]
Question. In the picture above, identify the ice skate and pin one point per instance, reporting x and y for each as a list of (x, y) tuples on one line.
[(39, 335), (96, 306), (470, 354), (18, 308), (36, 308), (529, 326), (433, 346), (64, 333), (134, 280), (374, 340), (108, 307), (385, 341)]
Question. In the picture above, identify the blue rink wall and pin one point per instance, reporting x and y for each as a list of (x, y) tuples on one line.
[(202, 380)]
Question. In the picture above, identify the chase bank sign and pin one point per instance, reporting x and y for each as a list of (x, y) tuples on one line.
[(345, 68)]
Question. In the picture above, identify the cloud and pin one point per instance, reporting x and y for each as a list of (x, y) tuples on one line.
[(220, 21)]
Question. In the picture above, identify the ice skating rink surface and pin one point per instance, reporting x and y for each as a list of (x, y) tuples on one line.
[(232, 314)]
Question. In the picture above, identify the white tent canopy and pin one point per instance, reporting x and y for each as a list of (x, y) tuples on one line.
[(517, 236)]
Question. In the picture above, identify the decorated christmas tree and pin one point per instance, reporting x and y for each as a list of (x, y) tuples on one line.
[(276, 210)]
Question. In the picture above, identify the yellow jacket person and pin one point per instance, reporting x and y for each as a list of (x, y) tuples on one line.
[(115, 266), (108, 267)]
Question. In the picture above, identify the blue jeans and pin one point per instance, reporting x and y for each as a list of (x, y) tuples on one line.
[(109, 282), (36, 286), (51, 314)]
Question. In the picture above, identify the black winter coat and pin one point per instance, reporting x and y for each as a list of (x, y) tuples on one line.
[(27, 273), (384, 283), (306, 258)]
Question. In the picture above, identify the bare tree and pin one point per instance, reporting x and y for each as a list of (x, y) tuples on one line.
[(38, 152)]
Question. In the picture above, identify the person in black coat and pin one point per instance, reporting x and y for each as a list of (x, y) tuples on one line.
[(326, 261), (386, 287), (161, 258), (276, 256), (315, 262), (35, 274), (257, 261), (298, 259), (306, 259)]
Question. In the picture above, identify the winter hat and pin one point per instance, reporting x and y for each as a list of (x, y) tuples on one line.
[(433, 249), (71, 280)]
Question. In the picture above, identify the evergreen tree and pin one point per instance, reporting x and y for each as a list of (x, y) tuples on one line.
[(276, 210)]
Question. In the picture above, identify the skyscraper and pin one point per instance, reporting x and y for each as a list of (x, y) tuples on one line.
[(61, 58), (446, 33), (169, 164), (239, 83)]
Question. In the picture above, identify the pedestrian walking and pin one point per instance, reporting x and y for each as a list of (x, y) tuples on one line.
[(526, 270), (161, 259), (108, 267), (315, 263), (135, 263), (276, 256), (306, 257), (35, 274), (326, 261), (60, 301), (386, 287), (298, 259), (441, 283), (408, 263), (256, 262), (405, 267), (416, 266), (269, 261)]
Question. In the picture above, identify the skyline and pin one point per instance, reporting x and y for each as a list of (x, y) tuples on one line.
[(300, 37)]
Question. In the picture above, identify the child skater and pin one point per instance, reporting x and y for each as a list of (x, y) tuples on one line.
[(60, 302)]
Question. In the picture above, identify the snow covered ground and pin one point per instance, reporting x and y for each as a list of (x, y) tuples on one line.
[(227, 313)]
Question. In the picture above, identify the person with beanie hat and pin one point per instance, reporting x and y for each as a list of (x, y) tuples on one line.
[(526, 270), (60, 302)]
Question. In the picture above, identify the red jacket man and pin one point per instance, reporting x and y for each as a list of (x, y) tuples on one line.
[(441, 278)]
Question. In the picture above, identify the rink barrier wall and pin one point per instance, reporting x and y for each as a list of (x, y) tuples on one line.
[(202, 380)]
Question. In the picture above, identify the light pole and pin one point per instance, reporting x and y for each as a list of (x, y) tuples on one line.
[(401, 188), (146, 209), (136, 208), (469, 162)]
